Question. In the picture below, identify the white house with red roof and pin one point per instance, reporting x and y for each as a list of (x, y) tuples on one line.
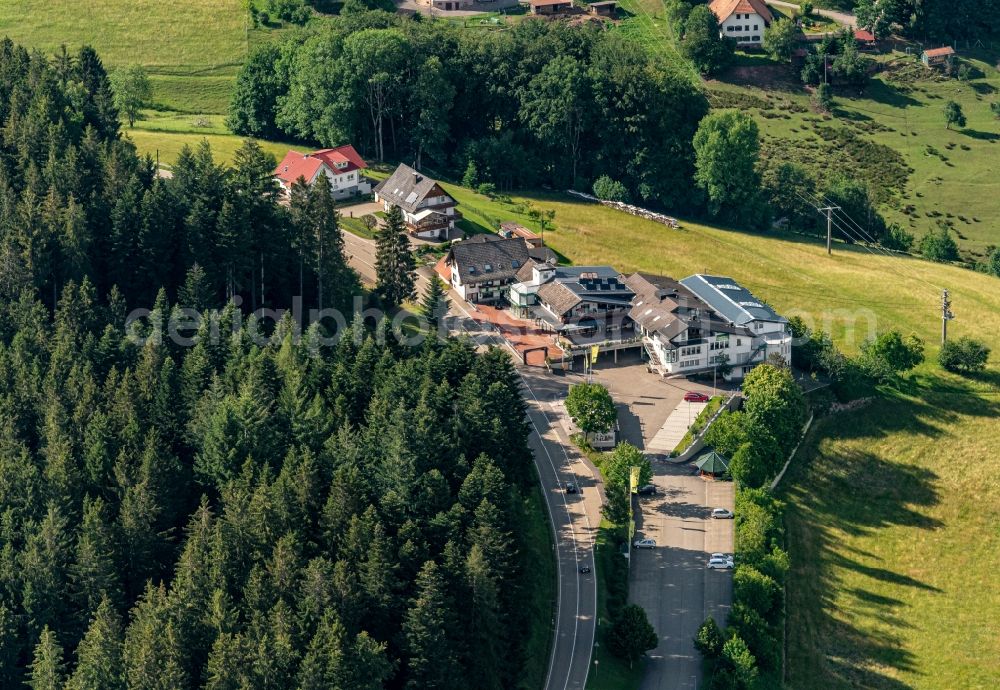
[(342, 165), (743, 21)]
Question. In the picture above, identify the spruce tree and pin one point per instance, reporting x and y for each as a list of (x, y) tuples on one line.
[(47, 669), (427, 627), (99, 655), (394, 262), (435, 303)]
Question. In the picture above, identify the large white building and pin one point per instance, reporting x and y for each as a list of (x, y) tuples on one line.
[(743, 21), (702, 322)]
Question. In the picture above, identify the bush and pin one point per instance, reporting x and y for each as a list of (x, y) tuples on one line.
[(963, 355), (823, 97), (890, 354), (709, 639), (939, 245), (610, 190)]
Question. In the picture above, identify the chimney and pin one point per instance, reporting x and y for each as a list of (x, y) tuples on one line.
[(416, 177)]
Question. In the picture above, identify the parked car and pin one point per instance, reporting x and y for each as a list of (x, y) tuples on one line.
[(722, 514), (720, 564), (723, 556), (644, 543), (570, 488), (647, 490), (695, 396), (584, 569)]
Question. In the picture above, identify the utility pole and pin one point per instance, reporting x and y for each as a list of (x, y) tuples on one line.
[(829, 224), (946, 315)]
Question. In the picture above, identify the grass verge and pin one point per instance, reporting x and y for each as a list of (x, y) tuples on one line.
[(608, 672), (540, 589)]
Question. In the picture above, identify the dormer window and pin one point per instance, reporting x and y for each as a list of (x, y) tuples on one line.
[(487, 267)]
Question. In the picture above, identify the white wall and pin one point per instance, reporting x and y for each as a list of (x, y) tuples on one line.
[(736, 27)]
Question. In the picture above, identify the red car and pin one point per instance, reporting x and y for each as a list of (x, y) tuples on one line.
[(694, 396)]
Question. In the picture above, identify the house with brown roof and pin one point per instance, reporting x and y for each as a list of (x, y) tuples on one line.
[(938, 57), (428, 211), (743, 21), (580, 304), (530, 237), (342, 165), (482, 267)]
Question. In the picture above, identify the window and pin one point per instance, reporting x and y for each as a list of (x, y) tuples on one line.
[(487, 267), (755, 38), (739, 342), (755, 27)]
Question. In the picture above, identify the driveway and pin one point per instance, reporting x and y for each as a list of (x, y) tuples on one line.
[(845, 18), (671, 581)]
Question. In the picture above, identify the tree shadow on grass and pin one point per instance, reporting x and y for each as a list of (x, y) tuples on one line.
[(882, 92), (855, 491), (984, 136)]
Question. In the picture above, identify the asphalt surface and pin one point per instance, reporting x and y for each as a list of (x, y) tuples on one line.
[(672, 582), (845, 18)]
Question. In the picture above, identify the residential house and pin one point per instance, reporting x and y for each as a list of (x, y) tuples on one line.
[(512, 229), (938, 57), (342, 165), (428, 210), (581, 304), (702, 322), (743, 21), (549, 7), (481, 268)]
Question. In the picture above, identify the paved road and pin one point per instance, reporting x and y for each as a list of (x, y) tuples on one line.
[(361, 256), (574, 517), (671, 581), (845, 18)]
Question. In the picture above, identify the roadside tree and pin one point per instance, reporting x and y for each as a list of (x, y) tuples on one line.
[(632, 634), (591, 408), (393, 261)]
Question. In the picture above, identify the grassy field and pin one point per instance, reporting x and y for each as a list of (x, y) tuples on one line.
[(893, 511), (951, 173)]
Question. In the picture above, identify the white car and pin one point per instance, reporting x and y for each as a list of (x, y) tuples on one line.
[(720, 564), (722, 556), (722, 514), (644, 543)]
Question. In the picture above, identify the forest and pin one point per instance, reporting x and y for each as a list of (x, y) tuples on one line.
[(234, 514), (539, 103)]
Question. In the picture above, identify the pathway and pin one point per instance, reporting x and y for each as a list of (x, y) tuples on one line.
[(844, 18), (677, 424)]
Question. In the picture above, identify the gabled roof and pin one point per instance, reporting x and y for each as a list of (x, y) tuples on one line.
[(406, 188), (724, 9), (729, 300), (939, 52), (863, 35), (295, 165), (340, 160), (487, 257)]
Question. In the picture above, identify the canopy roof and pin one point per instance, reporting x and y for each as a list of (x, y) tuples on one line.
[(712, 462)]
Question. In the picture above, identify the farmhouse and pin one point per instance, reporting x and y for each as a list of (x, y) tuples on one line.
[(582, 304), (428, 210), (342, 165), (702, 322), (865, 40), (481, 267), (938, 57), (549, 7), (743, 21)]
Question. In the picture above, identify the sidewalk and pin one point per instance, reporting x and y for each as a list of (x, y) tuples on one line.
[(673, 430)]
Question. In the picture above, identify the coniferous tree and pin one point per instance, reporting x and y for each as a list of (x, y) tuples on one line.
[(434, 303), (99, 663), (426, 629), (393, 261), (47, 669)]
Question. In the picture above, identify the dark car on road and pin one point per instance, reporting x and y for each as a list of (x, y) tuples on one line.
[(647, 490)]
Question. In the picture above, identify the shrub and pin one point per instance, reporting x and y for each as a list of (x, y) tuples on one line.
[(963, 355), (939, 245), (709, 639), (890, 354), (610, 190)]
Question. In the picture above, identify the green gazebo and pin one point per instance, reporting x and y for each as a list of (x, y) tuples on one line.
[(712, 463)]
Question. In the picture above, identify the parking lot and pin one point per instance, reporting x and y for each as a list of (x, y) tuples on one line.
[(672, 582)]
